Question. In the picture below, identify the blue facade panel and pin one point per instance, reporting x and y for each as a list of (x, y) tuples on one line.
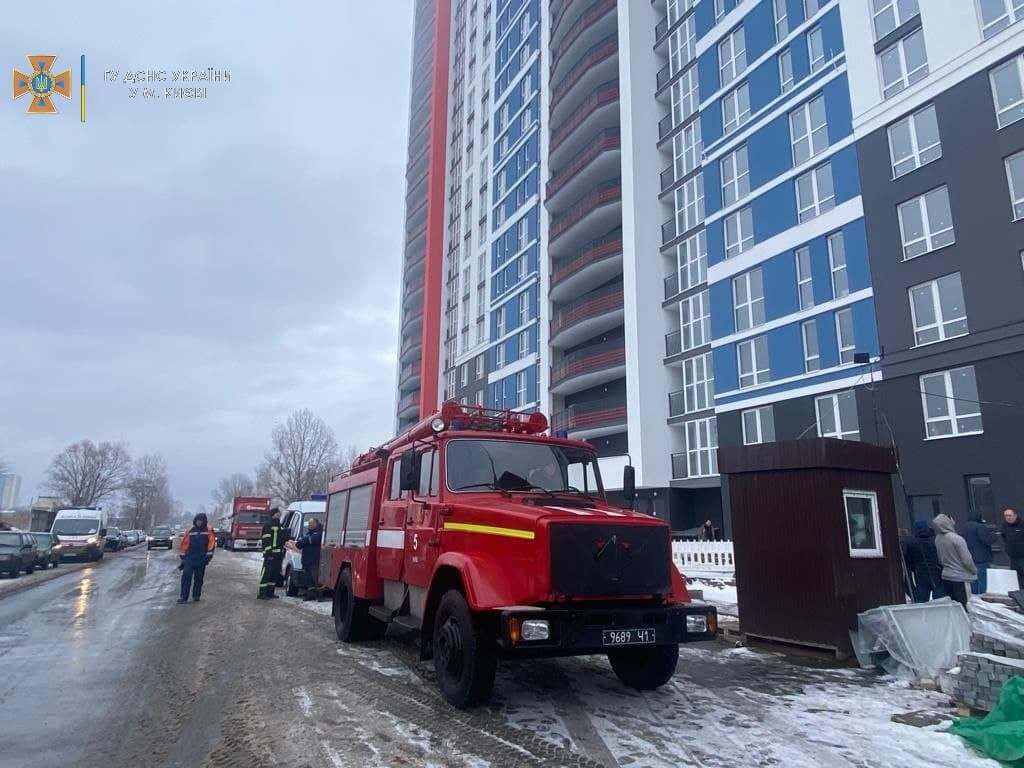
[(707, 72), (785, 352), (764, 84), (769, 152), (759, 30)]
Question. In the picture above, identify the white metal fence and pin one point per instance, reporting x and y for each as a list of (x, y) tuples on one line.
[(703, 557)]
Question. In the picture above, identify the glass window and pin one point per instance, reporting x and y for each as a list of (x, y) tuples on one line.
[(997, 15), (520, 389), (735, 176), (812, 357), (395, 491), (758, 425), (732, 56), (692, 259), (695, 320), (524, 344), (886, 15), (950, 402), (684, 96), (753, 361), (702, 447), (862, 527), (682, 45), (748, 300), (815, 194), (816, 48), (698, 383), (335, 517), (837, 264), (808, 129), (735, 108), (804, 281), (739, 232), (686, 149), (1007, 92), (903, 64), (786, 70), (719, 9), (837, 415), (1015, 178), (979, 497), (781, 19), (914, 141), (937, 310), (926, 223), (689, 200), (844, 336), (428, 474)]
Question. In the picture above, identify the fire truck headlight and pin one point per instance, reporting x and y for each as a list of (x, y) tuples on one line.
[(437, 425), (697, 623), (536, 629)]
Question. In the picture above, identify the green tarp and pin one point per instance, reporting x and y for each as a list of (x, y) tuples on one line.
[(1000, 734)]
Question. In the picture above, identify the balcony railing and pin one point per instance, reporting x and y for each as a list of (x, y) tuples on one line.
[(606, 141), (408, 344), (668, 177), (412, 317), (668, 231), (665, 126), (407, 372), (660, 30), (605, 412), (408, 401), (606, 93), (679, 469), (592, 15), (590, 305), (597, 53), (599, 249), (603, 194), (673, 343), (671, 285), (677, 403), (596, 358), (664, 75)]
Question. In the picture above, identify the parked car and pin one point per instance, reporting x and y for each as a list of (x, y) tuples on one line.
[(18, 552), (115, 539), (133, 537), (49, 549), (160, 536)]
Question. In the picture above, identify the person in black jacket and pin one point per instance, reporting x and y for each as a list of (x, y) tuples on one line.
[(979, 538), (1013, 540), (922, 561), (273, 540), (309, 546)]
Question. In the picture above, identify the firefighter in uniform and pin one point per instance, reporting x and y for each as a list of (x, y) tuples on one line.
[(273, 539)]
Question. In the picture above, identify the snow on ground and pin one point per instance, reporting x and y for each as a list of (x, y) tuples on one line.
[(719, 592)]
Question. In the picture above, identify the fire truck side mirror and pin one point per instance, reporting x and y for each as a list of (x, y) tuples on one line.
[(629, 484), (409, 470)]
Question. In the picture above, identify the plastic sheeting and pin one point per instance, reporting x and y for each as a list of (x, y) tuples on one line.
[(997, 622), (912, 641), (1000, 735)]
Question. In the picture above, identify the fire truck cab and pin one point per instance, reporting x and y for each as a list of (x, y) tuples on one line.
[(495, 540)]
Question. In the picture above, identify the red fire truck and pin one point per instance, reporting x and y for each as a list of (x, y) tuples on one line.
[(248, 516), (496, 541)]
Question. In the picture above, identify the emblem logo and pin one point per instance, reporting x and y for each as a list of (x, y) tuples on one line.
[(41, 85)]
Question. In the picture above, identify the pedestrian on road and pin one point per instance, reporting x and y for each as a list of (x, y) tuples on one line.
[(979, 538), (309, 546), (922, 562), (1013, 540), (273, 539), (707, 531), (957, 566), (197, 548)]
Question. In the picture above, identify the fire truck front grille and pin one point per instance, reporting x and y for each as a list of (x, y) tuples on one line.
[(607, 560)]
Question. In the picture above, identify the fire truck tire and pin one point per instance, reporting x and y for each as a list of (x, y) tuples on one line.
[(464, 655), (289, 585), (645, 668), (352, 619)]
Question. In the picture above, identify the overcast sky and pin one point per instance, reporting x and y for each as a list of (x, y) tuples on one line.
[(181, 275)]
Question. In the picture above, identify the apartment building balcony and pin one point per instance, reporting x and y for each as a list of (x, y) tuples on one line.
[(564, 16), (673, 343), (705, 474), (409, 405), (586, 317), (596, 21), (596, 161), (409, 375), (598, 110), (671, 285), (594, 265), (412, 319), (598, 211), (591, 419), (589, 367), (597, 65), (409, 348)]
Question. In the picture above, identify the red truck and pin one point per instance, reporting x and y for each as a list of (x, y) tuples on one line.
[(495, 540), (248, 516)]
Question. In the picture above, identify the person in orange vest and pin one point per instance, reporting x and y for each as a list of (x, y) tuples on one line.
[(197, 547)]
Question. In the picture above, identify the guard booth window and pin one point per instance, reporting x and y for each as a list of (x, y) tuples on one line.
[(358, 516), (429, 474), (335, 518)]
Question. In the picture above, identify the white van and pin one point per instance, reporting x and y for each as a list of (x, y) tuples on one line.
[(82, 532), (296, 521)]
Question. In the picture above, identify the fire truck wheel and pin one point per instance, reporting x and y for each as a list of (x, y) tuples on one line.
[(290, 589), (352, 619), (464, 655), (645, 668)]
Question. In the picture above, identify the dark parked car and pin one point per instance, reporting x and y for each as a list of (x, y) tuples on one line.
[(17, 553), (49, 549), (115, 539), (160, 536)]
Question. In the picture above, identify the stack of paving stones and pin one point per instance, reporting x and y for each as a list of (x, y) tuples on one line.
[(984, 670)]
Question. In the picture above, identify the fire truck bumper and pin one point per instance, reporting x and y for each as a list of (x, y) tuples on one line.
[(578, 631)]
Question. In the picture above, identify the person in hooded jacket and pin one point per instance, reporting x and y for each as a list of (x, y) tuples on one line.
[(957, 565), (979, 538), (923, 564), (1013, 540), (197, 547), (309, 546)]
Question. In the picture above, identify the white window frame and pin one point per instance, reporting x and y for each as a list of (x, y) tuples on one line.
[(684, 96), (780, 16), (938, 311), (802, 130), (686, 149), (928, 237), (719, 10), (689, 203), (478, 398), (763, 416), (757, 374), (732, 56), (735, 183), (1011, 15), (499, 324), (907, 78), (953, 405), (464, 374), (786, 84), (479, 366), (694, 321), (804, 279), (842, 432), (692, 261), (742, 115), (682, 46), (809, 331), (698, 383), (816, 61), (521, 389), (870, 552), (847, 347), (878, 7), (1016, 196), (524, 307), (839, 271), (811, 7), (1017, 65), (499, 356), (702, 447), (524, 344), (818, 205), (748, 312), (917, 152), (739, 232)]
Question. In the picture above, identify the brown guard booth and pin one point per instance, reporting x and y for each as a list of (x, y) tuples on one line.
[(815, 537)]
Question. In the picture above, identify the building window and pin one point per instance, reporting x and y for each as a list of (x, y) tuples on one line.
[(937, 310), (479, 398), (926, 223), (499, 356), (1015, 178), (816, 48), (950, 402), (451, 383), (739, 232), (732, 56), (804, 281), (753, 361), (719, 9), (862, 527), (689, 200), (735, 108), (997, 15), (748, 300), (914, 141), (980, 500), (735, 176), (686, 149), (903, 64), (698, 383), (682, 45), (524, 308), (520, 389), (499, 328), (684, 96), (524, 344), (837, 415), (815, 194), (812, 357), (808, 128), (781, 19), (758, 425), (692, 259), (844, 336), (479, 366), (811, 7), (886, 15), (837, 265), (702, 447), (695, 321), (464, 374), (1008, 92), (786, 71)]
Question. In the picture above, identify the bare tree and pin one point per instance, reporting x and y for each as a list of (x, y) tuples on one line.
[(302, 456), (145, 490), (86, 473), (237, 484), (348, 457)]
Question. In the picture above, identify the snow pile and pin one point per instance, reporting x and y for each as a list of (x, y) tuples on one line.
[(720, 593)]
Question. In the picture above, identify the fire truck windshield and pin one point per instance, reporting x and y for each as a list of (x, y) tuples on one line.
[(517, 465)]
